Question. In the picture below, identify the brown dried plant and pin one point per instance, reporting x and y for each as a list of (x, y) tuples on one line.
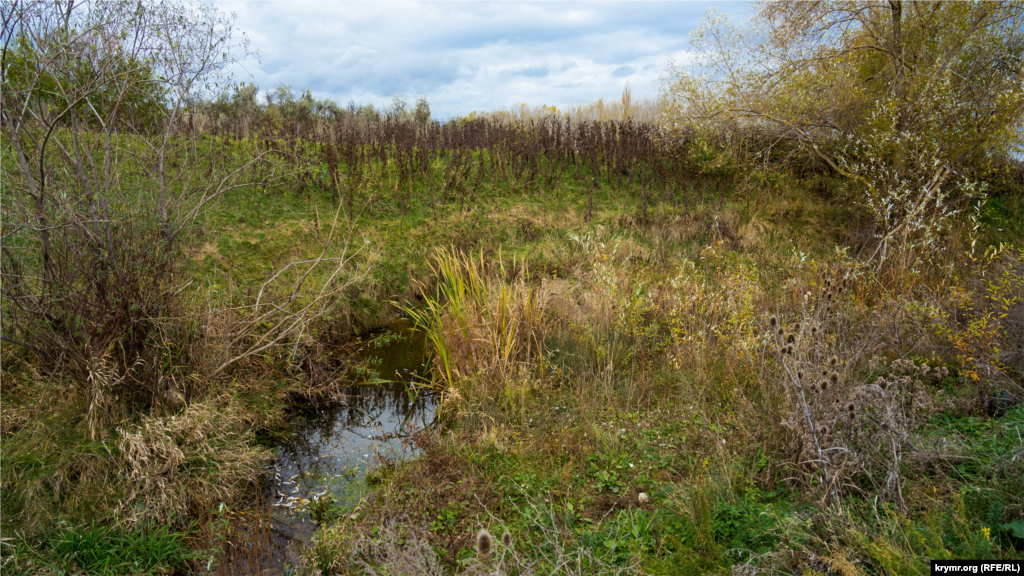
[(183, 465), (852, 434)]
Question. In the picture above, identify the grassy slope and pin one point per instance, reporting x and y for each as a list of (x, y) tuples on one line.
[(557, 452), (537, 457)]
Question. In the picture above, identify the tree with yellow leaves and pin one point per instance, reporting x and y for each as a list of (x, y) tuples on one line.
[(909, 100)]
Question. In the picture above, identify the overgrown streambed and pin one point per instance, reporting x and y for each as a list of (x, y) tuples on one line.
[(322, 467)]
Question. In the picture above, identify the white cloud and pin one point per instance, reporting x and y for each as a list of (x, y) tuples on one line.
[(464, 55)]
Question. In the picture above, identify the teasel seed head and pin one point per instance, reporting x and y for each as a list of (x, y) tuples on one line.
[(791, 338), (483, 542), (789, 349), (506, 539), (833, 361), (796, 327), (772, 321), (839, 290), (814, 388), (781, 332), (814, 330), (823, 385), (834, 377), (799, 374), (850, 407)]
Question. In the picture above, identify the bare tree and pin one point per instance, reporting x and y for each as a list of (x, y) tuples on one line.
[(100, 173)]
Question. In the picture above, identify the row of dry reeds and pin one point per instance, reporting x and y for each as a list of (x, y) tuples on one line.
[(531, 151)]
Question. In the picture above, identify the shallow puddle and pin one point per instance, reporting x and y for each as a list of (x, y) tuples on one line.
[(328, 456)]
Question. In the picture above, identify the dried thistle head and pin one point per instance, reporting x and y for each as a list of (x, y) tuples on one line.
[(484, 542)]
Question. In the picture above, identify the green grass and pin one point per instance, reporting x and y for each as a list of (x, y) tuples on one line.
[(534, 455), (648, 373), (103, 551)]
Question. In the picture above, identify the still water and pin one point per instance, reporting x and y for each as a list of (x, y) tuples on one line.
[(330, 453)]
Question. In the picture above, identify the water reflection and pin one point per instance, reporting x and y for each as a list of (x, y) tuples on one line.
[(332, 452)]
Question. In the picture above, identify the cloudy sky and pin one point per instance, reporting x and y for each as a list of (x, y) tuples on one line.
[(466, 56)]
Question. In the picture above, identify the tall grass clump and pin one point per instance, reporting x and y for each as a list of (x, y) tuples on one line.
[(478, 324)]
